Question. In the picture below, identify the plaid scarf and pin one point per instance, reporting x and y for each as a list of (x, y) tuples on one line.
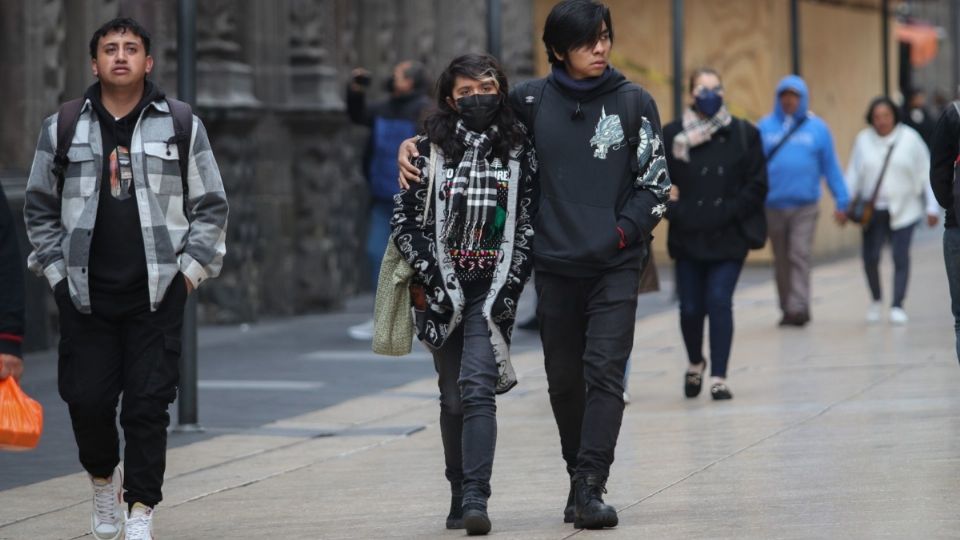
[(472, 200), (697, 130)]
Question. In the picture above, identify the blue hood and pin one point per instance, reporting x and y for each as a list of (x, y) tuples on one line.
[(796, 84)]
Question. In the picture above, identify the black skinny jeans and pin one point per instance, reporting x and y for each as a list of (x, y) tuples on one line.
[(122, 348), (468, 375), (587, 326)]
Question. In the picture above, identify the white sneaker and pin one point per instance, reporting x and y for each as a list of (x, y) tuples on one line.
[(362, 332), (873, 312), (140, 523), (898, 316), (107, 520)]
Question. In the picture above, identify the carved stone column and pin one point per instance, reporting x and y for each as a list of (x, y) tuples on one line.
[(231, 114), (225, 79), (329, 194)]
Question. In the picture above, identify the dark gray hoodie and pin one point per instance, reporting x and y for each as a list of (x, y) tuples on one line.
[(595, 213)]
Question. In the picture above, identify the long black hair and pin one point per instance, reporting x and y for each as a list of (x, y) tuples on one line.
[(442, 123)]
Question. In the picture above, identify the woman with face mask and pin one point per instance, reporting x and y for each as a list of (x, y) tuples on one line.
[(466, 229), (719, 176)]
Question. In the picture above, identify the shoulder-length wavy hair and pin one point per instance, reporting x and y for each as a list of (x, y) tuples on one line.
[(441, 124)]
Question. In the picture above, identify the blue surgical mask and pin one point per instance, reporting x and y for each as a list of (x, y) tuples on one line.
[(708, 102)]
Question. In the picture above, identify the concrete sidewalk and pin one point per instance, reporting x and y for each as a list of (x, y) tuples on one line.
[(837, 430)]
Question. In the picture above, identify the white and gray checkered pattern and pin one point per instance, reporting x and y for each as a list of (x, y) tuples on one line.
[(473, 193), (174, 243)]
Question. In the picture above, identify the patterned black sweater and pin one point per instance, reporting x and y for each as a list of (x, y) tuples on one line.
[(435, 268)]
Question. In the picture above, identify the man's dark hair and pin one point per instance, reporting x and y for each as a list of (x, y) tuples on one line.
[(572, 24), (120, 24), (442, 123)]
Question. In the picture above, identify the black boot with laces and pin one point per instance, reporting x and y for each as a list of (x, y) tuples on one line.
[(591, 512), (475, 519)]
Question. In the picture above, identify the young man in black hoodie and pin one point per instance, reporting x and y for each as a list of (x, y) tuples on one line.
[(123, 237), (604, 186)]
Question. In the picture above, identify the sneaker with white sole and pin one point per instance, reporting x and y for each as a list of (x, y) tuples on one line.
[(898, 316), (106, 523), (874, 312), (140, 523), (362, 332)]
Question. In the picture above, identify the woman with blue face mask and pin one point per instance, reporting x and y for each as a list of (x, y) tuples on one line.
[(719, 176), (466, 228)]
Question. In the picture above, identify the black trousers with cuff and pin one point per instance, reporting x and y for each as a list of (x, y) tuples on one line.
[(587, 327), (122, 349)]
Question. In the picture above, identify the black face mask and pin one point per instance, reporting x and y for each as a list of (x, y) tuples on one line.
[(479, 110)]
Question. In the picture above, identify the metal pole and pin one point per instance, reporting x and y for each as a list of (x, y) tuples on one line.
[(494, 27), (795, 36), (885, 44), (677, 59), (188, 418)]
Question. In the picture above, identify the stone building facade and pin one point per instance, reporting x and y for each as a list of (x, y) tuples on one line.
[(270, 88)]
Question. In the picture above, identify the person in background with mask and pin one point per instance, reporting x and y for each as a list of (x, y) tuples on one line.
[(466, 228), (917, 115), (390, 122), (799, 150), (719, 178)]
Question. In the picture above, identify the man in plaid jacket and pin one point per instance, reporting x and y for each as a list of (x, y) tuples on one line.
[(122, 249)]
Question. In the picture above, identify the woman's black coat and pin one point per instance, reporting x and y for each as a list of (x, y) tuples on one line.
[(724, 182)]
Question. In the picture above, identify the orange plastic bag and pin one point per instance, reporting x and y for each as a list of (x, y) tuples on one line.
[(21, 418)]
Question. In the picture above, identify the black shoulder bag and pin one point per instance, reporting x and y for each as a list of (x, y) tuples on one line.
[(860, 210)]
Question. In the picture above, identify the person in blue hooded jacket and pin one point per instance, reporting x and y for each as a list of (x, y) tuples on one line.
[(799, 149)]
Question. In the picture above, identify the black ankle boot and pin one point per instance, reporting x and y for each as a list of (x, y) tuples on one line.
[(455, 517), (570, 510), (475, 519), (590, 510)]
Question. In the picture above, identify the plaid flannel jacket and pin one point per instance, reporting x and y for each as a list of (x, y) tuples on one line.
[(61, 230)]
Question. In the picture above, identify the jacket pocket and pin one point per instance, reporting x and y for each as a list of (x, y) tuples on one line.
[(576, 232), (80, 176), (163, 168)]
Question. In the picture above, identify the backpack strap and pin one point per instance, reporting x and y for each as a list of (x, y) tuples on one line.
[(182, 132), (628, 98), (532, 95), (67, 118)]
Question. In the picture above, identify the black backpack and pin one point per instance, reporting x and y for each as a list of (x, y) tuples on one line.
[(627, 97), (69, 115)]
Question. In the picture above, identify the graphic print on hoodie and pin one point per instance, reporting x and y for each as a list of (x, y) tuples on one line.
[(118, 265), (589, 191)]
